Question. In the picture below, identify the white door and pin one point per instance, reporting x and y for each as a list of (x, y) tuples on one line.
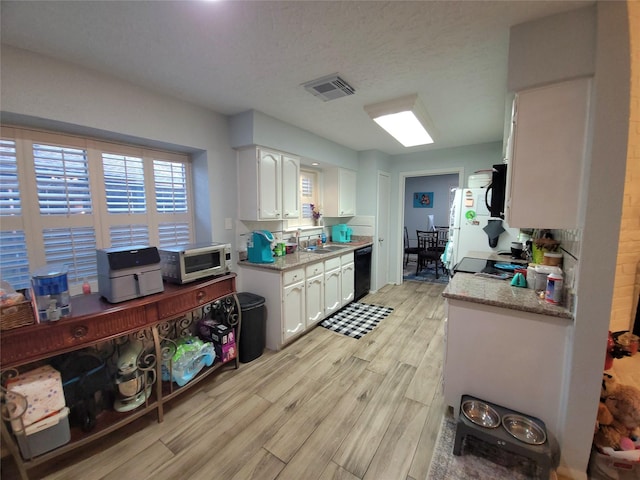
[(294, 310), (315, 300), (269, 185), (381, 251)]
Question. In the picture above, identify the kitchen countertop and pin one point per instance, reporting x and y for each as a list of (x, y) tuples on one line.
[(499, 293), (302, 258)]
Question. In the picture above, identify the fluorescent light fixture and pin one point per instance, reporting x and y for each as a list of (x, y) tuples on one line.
[(405, 119)]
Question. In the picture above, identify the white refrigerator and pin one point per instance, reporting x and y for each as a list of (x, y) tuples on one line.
[(468, 218)]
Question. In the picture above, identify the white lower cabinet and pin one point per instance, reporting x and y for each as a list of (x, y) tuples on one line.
[(293, 311), (298, 299), (347, 273), (314, 293), (332, 286)]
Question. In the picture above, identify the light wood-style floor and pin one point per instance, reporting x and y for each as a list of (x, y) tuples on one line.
[(325, 407)]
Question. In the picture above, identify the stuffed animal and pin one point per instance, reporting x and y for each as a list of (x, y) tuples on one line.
[(623, 401), (609, 432)]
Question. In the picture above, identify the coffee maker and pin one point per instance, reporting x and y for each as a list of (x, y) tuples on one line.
[(259, 247)]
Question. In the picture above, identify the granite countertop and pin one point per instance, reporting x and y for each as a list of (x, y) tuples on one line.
[(302, 258), (499, 293)]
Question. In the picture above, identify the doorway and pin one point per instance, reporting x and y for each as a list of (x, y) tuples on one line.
[(382, 231), (435, 182)]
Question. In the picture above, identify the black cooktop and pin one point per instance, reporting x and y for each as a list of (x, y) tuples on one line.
[(480, 265)]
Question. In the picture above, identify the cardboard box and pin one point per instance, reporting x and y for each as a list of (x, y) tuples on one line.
[(226, 352), (605, 467), (42, 390), (45, 435), (221, 334)]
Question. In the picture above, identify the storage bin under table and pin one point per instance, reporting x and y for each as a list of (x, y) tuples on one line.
[(546, 456), (45, 435)]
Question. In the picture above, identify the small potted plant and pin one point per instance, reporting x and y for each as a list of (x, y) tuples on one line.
[(316, 214)]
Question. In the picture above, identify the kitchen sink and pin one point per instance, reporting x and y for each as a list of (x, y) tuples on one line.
[(327, 249), (333, 248)]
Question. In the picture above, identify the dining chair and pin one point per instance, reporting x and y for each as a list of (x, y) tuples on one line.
[(428, 245), (443, 238), (408, 249)]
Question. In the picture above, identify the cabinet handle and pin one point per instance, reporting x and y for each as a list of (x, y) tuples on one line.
[(79, 331), (200, 296)]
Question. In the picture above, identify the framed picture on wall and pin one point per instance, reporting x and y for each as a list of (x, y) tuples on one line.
[(423, 200)]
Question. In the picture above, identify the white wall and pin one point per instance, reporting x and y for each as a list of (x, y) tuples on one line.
[(547, 47), (257, 128), (39, 91)]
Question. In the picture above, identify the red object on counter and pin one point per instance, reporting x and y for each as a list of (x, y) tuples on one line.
[(608, 359)]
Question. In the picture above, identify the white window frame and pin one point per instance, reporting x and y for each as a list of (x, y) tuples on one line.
[(32, 223), (316, 196)]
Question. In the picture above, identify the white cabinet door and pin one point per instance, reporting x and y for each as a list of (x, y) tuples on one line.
[(293, 321), (269, 185), (290, 187), (347, 193), (315, 300), (347, 280), (546, 166), (339, 192), (332, 291)]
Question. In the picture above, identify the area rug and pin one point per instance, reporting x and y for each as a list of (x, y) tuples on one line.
[(427, 274), (356, 319), (447, 466)]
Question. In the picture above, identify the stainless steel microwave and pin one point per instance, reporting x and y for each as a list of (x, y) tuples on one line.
[(187, 263)]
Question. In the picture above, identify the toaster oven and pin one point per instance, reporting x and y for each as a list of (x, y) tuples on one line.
[(187, 263)]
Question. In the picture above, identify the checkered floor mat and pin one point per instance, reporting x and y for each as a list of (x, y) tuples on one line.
[(356, 319)]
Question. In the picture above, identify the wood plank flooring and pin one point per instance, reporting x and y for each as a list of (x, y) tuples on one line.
[(325, 407)]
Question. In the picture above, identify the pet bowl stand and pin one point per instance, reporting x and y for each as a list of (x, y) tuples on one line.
[(543, 455)]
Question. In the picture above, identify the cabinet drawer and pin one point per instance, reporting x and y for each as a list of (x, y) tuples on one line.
[(191, 299), (331, 263), (315, 269), (293, 276), (346, 258), (49, 339)]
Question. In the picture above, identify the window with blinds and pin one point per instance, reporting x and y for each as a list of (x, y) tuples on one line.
[(86, 195), (308, 195)]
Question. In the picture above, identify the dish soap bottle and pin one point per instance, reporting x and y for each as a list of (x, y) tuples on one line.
[(323, 237)]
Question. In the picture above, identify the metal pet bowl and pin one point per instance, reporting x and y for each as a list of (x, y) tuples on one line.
[(480, 413), (524, 429)]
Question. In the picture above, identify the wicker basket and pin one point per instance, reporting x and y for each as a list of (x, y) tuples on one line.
[(15, 316)]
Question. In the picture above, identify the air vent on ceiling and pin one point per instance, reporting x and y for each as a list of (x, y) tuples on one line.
[(329, 87)]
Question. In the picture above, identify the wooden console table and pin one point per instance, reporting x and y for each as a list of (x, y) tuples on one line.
[(95, 321)]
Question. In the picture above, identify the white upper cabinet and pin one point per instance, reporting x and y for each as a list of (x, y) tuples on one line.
[(546, 164), (268, 184), (290, 187), (339, 192)]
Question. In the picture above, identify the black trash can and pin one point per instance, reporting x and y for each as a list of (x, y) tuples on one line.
[(254, 324)]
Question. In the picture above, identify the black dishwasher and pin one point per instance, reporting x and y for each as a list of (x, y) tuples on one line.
[(363, 272)]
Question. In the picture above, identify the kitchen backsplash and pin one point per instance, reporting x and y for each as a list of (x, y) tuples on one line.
[(362, 226), (570, 243)]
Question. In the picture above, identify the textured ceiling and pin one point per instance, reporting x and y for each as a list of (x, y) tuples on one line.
[(232, 56)]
